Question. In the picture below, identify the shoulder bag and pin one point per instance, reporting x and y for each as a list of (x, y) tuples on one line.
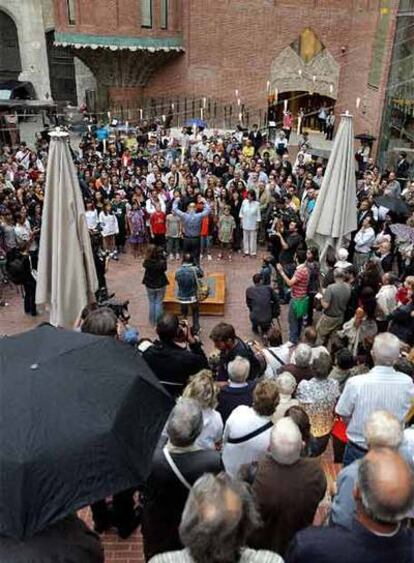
[(203, 289), (251, 435), (175, 469)]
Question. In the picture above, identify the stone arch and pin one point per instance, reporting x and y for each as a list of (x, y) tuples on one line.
[(289, 72), (10, 57)]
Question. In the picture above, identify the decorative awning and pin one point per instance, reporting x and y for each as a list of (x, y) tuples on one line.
[(118, 43)]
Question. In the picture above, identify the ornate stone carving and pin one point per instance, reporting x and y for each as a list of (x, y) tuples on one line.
[(290, 73)]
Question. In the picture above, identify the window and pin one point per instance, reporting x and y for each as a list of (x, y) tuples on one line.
[(71, 11), (164, 14), (146, 13)]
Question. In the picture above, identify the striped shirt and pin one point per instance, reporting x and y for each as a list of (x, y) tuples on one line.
[(247, 556), (300, 287), (382, 388)]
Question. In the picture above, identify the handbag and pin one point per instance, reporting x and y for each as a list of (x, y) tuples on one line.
[(32, 270), (203, 289), (300, 306)]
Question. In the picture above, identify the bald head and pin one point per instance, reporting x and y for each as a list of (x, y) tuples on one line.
[(385, 486)]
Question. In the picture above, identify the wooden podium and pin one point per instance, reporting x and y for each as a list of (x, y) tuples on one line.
[(214, 304)]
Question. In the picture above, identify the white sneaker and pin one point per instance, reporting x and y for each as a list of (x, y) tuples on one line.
[(201, 256), (171, 256), (177, 256), (209, 257)]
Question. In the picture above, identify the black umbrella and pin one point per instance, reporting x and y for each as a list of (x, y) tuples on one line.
[(80, 416), (365, 137), (395, 204)]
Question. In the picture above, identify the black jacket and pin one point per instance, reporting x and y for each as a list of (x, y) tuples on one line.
[(173, 365), (154, 277), (256, 139), (231, 397), (240, 349), (402, 323), (261, 301), (165, 497)]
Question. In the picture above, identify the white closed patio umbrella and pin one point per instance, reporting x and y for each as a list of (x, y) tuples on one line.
[(66, 276), (335, 214)]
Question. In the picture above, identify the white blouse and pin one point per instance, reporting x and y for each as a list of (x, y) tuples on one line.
[(250, 214), (109, 224), (242, 421)]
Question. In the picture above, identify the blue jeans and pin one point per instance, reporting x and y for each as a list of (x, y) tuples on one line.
[(155, 300), (352, 454), (295, 325)]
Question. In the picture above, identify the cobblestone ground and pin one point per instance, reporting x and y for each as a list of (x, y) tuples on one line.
[(124, 277)]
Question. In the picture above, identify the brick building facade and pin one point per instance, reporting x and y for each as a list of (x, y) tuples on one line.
[(208, 54)]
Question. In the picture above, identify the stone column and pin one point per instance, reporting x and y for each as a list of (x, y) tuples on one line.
[(28, 17)]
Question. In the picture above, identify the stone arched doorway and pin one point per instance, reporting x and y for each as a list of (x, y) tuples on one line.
[(306, 75), (10, 61)]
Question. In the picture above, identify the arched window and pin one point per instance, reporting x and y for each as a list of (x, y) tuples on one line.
[(10, 62)]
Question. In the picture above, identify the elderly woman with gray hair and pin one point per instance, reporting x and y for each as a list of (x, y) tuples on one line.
[(286, 385), (218, 517), (238, 391), (175, 468)]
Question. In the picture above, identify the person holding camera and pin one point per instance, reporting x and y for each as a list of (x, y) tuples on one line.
[(122, 514), (175, 355), (187, 277)]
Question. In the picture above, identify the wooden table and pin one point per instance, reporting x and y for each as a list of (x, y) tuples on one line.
[(214, 304)]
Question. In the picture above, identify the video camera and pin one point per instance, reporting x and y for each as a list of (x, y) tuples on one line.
[(120, 308)]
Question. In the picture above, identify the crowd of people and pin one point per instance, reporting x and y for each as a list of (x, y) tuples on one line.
[(237, 474)]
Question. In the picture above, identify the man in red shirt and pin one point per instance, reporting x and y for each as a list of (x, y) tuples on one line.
[(158, 226), (298, 304)]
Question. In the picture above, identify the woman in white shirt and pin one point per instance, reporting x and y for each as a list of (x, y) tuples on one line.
[(364, 241), (203, 389), (247, 432), (250, 219), (91, 217), (109, 225)]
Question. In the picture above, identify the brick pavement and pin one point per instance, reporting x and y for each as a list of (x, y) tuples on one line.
[(124, 277)]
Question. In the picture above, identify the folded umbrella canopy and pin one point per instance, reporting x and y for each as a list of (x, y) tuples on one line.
[(335, 214), (80, 416), (66, 279)]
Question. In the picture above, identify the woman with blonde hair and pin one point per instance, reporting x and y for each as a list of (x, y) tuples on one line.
[(202, 388)]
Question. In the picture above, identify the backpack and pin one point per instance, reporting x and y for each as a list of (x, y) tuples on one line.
[(15, 267)]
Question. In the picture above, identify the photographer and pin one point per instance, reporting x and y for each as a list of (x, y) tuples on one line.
[(101, 260), (176, 355), (123, 515)]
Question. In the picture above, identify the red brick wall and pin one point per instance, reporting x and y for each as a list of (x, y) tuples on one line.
[(231, 44), (117, 17)]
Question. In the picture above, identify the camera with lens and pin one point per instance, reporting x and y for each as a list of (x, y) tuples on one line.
[(120, 308)]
